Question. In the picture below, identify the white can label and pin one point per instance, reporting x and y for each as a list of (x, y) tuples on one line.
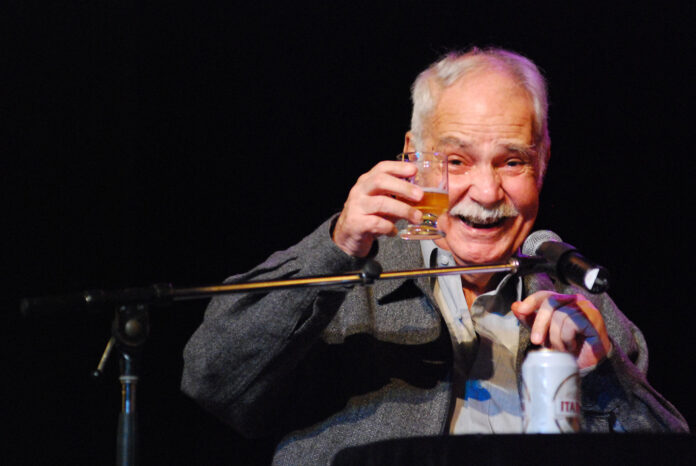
[(550, 393)]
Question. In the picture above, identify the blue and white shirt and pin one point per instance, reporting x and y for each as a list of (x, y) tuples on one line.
[(485, 339)]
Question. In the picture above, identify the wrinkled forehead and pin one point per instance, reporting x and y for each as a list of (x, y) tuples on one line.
[(468, 144)]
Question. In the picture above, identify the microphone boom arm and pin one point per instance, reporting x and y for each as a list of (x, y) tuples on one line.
[(165, 293), (354, 278)]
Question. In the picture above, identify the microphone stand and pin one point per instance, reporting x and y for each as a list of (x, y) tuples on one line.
[(129, 330), (131, 327), (370, 272)]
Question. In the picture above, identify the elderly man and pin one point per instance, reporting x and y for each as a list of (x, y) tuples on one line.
[(334, 368)]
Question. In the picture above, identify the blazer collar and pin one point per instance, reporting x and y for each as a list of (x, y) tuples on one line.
[(396, 254)]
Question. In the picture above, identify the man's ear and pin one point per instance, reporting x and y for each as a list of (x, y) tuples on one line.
[(409, 143)]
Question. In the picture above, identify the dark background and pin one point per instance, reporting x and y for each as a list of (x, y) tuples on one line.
[(185, 141)]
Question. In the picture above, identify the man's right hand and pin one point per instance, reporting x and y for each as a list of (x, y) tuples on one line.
[(374, 205)]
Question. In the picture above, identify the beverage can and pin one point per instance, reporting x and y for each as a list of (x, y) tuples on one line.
[(550, 392)]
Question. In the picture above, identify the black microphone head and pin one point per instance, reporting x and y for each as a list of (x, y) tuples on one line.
[(536, 239), (564, 262)]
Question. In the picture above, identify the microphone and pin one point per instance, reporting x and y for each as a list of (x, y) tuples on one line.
[(564, 262)]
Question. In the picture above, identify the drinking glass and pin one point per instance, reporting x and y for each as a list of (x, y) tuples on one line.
[(432, 178)]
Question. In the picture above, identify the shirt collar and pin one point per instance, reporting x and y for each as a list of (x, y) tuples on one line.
[(433, 257)]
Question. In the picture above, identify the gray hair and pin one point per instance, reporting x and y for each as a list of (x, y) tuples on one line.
[(452, 67)]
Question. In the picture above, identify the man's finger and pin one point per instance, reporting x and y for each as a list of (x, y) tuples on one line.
[(542, 321), (389, 208)]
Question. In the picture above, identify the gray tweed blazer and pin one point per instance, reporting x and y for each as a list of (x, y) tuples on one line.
[(324, 369)]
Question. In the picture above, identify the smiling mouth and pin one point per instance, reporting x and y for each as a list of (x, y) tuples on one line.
[(482, 223)]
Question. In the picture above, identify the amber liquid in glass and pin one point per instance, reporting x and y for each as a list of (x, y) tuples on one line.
[(433, 202)]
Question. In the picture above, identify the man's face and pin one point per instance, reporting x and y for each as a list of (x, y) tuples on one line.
[(484, 124)]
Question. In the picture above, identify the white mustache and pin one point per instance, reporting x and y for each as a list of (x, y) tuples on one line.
[(476, 213)]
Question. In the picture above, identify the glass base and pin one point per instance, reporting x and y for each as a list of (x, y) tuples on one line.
[(420, 232)]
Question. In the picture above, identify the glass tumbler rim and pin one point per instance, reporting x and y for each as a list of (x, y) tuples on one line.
[(401, 155)]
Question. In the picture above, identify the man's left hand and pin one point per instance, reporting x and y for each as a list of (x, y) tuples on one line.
[(568, 323)]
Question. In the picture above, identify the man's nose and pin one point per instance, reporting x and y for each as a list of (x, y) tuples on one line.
[(485, 186)]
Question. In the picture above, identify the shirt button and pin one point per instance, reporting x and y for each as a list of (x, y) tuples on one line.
[(443, 259)]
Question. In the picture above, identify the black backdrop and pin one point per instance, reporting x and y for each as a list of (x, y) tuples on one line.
[(185, 141)]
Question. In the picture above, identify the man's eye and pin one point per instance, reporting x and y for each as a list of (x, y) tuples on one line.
[(514, 166), (457, 166)]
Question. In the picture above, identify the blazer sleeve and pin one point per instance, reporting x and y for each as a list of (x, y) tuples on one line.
[(239, 362), (616, 395)]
